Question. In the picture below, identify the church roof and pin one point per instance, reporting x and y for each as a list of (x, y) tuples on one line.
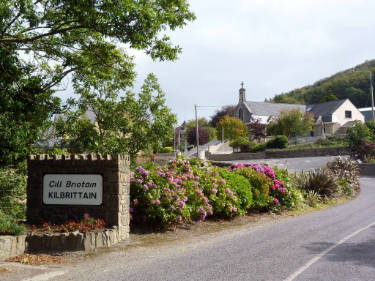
[(271, 109)]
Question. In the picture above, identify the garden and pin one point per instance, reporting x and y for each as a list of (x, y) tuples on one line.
[(189, 191)]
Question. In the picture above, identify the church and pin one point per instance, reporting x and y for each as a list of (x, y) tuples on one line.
[(332, 117)]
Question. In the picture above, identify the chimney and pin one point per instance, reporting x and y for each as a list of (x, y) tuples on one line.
[(242, 94)]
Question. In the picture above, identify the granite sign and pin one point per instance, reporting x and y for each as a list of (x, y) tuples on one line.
[(73, 189)]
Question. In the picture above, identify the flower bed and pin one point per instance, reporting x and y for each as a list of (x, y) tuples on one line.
[(183, 191)]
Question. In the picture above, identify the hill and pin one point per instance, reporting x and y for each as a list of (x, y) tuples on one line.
[(354, 85)]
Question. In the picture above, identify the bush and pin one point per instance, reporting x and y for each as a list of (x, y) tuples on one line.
[(241, 188), (167, 149), (345, 169), (322, 182), (260, 187), (260, 147), (243, 144), (356, 135), (280, 141), (13, 192), (9, 225)]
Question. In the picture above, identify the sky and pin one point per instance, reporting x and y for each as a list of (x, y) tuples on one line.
[(273, 46)]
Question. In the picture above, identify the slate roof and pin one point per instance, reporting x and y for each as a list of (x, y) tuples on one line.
[(325, 108), (271, 109)]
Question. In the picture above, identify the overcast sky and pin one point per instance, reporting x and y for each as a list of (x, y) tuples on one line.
[(274, 46)]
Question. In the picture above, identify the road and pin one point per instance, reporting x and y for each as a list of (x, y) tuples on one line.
[(293, 164), (334, 244)]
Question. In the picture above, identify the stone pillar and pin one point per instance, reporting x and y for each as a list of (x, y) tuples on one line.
[(115, 170)]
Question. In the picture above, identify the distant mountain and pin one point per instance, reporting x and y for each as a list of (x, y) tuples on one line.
[(354, 85)]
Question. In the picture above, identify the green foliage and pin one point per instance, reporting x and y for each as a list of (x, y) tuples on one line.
[(220, 113), (260, 184), (243, 144), (25, 107), (343, 85), (241, 187), (329, 97), (357, 136), (167, 149), (312, 198), (260, 147), (233, 128), (278, 142), (85, 38), (13, 192), (291, 123), (9, 225), (123, 124)]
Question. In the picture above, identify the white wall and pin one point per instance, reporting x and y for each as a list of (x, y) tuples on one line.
[(339, 115)]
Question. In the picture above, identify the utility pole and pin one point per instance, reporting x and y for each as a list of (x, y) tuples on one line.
[(372, 97), (222, 134), (197, 130)]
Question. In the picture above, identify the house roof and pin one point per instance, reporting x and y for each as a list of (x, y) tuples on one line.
[(325, 108), (271, 109)]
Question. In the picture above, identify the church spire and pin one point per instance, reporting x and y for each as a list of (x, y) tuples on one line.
[(242, 93)]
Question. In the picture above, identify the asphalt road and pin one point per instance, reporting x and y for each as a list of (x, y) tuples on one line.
[(293, 164), (334, 244)]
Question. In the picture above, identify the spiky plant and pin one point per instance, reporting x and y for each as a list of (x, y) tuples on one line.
[(322, 181)]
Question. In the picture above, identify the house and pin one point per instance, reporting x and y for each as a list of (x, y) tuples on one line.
[(332, 117)]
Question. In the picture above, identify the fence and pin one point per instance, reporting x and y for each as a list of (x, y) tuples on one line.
[(301, 140)]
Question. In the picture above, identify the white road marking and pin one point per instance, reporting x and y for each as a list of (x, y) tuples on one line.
[(315, 259), (45, 276)]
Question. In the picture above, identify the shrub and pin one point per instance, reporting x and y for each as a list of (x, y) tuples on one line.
[(355, 135), (280, 141), (241, 187), (260, 184), (312, 198), (13, 192), (243, 144), (9, 225), (260, 147), (345, 169), (321, 181), (167, 149), (285, 190)]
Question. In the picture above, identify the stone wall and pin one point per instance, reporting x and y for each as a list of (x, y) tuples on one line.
[(279, 154), (11, 246), (367, 169), (116, 188)]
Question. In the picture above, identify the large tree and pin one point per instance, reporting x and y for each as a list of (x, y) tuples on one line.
[(107, 122), (231, 128), (220, 113), (88, 38), (291, 123), (44, 41)]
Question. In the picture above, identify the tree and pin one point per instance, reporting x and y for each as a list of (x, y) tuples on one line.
[(25, 107), (330, 97), (291, 123), (122, 124), (219, 114), (233, 128), (42, 42), (203, 136), (257, 130), (202, 123), (83, 38)]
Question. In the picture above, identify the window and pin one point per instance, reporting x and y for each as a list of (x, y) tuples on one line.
[(240, 114), (348, 114)]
